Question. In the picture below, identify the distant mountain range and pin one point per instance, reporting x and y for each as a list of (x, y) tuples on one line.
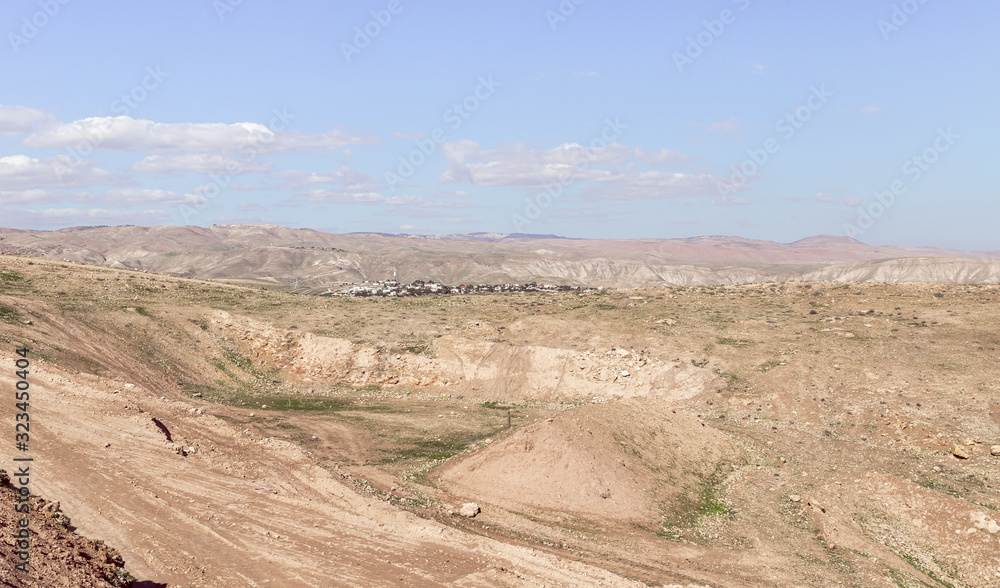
[(275, 255)]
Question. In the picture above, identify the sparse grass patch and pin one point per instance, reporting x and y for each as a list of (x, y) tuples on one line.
[(419, 349), (913, 561), (696, 504), (8, 314)]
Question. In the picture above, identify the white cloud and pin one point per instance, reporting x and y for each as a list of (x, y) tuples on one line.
[(21, 120), (520, 166), (35, 195), (128, 134), (871, 109), (202, 163), (122, 198), (132, 196), (652, 185), (416, 206), (612, 170), (20, 172), (758, 69), (345, 176), (820, 197), (337, 197), (400, 135), (63, 217)]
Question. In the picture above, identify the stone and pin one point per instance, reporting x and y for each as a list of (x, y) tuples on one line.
[(625, 373), (469, 509), (795, 498), (995, 450), (984, 523), (960, 451)]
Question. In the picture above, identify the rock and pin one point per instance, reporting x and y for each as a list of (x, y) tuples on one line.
[(263, 406), (960, 451), (982, 522), (995, 450), (251, 414), (625, 373), (815, 504), (469, 509), (795, 498)]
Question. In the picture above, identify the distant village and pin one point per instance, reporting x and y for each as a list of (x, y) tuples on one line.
[(422, 288)]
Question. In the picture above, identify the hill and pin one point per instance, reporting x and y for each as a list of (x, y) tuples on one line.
[(279, 256)]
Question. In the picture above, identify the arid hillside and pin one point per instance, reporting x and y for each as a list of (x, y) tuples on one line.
[(800, 434), (278, 256)]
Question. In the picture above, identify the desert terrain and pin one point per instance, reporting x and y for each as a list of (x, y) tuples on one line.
[(304, 259), (806, 433)]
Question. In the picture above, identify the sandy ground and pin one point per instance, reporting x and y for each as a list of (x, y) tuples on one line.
[(240, 510)]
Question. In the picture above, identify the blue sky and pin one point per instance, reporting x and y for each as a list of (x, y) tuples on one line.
[(585, 118)]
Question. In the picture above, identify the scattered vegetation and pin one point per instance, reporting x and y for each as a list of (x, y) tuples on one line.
[(8, 314)]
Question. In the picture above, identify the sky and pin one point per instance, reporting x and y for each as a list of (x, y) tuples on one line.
[(772, 120)]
